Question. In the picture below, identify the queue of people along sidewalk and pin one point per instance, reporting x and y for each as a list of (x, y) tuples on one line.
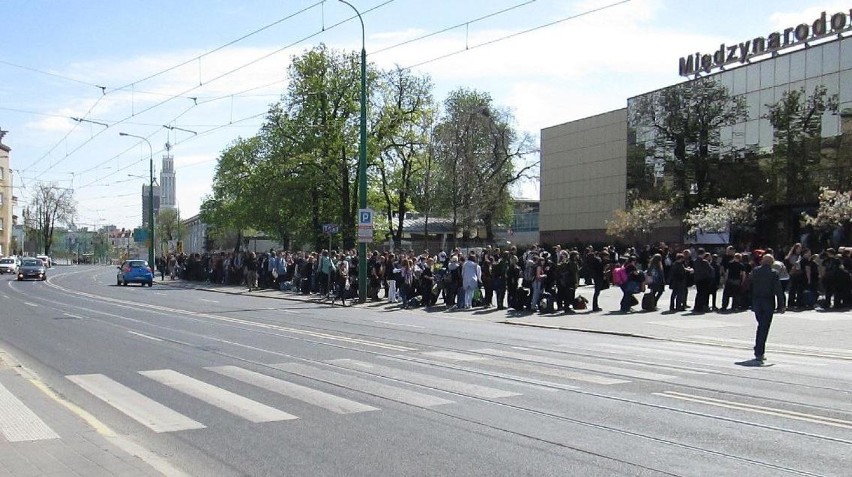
[(538, 279)]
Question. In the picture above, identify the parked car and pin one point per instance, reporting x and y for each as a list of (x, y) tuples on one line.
[(32, 268), (8, 265), (135, 271)]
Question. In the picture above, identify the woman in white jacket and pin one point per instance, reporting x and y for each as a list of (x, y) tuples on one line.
[(471, 278)]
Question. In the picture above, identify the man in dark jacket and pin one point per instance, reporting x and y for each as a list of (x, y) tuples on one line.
[(765, 287), (703, 276)]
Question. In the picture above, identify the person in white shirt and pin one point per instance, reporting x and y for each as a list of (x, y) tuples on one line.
[(471, 278)]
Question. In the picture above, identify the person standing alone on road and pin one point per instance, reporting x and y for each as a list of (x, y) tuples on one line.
[(765, 287)]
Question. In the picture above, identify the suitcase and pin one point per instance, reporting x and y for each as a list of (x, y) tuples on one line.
[(648, 302), (548, 303), (809, 298)]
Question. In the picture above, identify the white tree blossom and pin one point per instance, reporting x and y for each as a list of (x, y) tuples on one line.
[(835, 209), (639, 221), (723, 216)]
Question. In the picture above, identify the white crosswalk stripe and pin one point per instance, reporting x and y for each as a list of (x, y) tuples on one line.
[(526, 356), (138, 407), (425, 379), (18, 423), (221, 398), (322, 399), (393, 393)]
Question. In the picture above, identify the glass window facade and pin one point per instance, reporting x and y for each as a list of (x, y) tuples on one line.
[(716, 136)]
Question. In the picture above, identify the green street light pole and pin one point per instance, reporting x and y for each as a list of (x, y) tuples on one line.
[(362, 161), (150, 197)]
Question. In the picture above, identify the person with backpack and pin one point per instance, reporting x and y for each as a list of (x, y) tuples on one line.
[(630, 281)]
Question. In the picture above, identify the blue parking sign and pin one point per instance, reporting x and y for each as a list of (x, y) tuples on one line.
[(366, 217)]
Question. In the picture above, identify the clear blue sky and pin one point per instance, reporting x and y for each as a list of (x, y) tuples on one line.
[(577, 68)]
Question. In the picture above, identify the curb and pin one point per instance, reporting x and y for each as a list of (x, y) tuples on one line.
[(672, 340)]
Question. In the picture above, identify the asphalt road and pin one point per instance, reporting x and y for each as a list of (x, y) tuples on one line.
[(220, 384)]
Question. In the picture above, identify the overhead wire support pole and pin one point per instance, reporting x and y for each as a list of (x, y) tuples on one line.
[(150, 196), (362, 161), (172, 128)]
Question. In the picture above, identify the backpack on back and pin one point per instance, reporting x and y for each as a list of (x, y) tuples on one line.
[(619, 276)]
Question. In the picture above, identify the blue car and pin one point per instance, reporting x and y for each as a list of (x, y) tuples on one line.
[(135, 271)]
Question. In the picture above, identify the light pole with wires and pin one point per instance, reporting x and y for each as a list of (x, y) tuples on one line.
[(362, 162), (150, 198)]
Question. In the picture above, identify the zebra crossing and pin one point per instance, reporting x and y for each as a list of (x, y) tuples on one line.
[(423, 379)]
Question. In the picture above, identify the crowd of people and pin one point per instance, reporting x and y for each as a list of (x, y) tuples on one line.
[(537, 279)]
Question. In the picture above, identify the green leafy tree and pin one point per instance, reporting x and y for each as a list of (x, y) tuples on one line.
[(169, 226), (231, 205), (401, 137), (479, 155)]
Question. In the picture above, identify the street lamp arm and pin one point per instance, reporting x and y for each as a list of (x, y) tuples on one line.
[(363, 36), (150, 195)]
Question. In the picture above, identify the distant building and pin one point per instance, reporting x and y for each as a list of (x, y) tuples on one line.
[(7, 200), (593, 166), (195, 236), (167, 181), (145, 200)]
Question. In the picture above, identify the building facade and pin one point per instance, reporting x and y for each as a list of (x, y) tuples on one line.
[(195, 237), (146, 199), (769, 117), (167, 181), (6, 199)]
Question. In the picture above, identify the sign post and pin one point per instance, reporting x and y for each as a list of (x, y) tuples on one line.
[(365, 225)]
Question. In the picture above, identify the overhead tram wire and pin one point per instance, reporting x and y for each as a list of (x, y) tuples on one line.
[(128, 166), (153, 75), (216, 78), (47, 73), (519, 33), (221, 47), (459, 25)]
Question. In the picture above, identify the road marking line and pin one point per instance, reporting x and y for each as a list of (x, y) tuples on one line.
[(18, 423), (799, 416), (30, 304), (454, 356), (322, 399), (221, 398), (73, 316), (209, 301), (560, 373), (424, 379), (225, 319), (357, 383), (153, 338), (577, 364), (398, 324), (138, 407)]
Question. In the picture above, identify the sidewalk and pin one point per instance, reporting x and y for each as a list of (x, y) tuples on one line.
[(811, 332), (41, 434)]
